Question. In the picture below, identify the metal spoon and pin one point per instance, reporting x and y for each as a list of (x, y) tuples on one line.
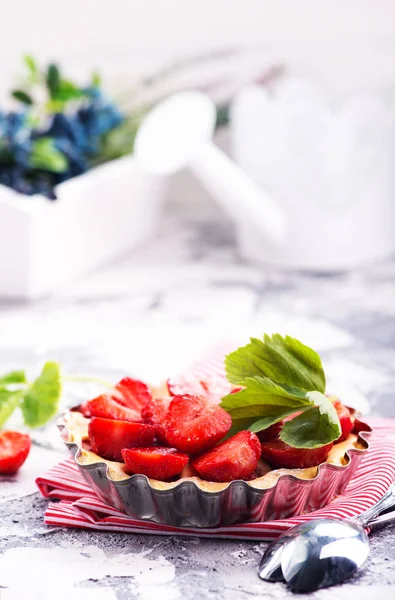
[(323, 552)]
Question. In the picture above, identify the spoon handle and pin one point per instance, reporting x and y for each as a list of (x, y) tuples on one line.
[(386, 502), (383, 519)]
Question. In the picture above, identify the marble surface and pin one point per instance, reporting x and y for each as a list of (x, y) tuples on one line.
[(151, 314)]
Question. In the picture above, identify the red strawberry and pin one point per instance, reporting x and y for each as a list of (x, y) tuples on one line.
[(156, 462), (14, 449), (210, 388), (108, 437), (132, 393), (280, 455), (345, 420), (154, 413), (236, 389), (193, 425), (359, 426), (271, 433), (155, 409), (235, 458), (106, 407)]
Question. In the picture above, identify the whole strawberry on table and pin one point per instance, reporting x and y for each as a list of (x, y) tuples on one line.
[(37, 401)]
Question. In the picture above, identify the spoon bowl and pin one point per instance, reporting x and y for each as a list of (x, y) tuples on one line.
[(323, 552)]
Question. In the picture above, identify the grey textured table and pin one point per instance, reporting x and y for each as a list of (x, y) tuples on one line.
[(150, 314)]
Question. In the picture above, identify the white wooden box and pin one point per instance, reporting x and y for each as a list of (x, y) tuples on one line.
[(97, 216)]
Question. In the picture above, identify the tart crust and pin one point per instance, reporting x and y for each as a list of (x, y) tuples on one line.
[(76, 431)]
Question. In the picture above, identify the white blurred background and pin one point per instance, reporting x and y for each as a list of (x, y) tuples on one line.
[(337, 40)]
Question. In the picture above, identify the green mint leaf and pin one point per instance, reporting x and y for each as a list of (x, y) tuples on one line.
[(13, 377), (263, 398), (31, 65), (22, 96), (53, 80), (46, 156), (265, 422), (315, 427), (9, 400), (239, 425), (41, 401), (286, 361)]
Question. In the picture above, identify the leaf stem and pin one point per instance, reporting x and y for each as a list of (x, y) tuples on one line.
[(84, 379)]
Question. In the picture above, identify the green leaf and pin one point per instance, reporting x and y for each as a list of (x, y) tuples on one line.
[(258, 425), (41, 401), (31, 65), (315, 427), (67, 91), (119, 141), (261, 398), (269, 420), (239, 425), (9, 400), (13, 377), (22, 96), (46, 156), (96, 79), (53, 79), (286, 361)]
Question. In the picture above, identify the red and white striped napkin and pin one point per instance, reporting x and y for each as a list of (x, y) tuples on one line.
[(80, 507)]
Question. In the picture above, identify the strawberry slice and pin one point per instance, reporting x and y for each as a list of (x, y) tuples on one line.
[(155, 409), (280, 455), (359, 426), (193, 425), (109, 437), (14, 450), (132, 393), (210, 388), (154, 413), (345, 419), (105, 406), (235, 458), (271, 433), (156, 462)]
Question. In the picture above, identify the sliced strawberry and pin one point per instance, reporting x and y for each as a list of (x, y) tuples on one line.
[(271, 433), (155, 409), (156, 462), (235, 458), (280, 455), (345, 419), (210, 388), (359, 426), (154, 413), (106, 407), (132, 393), (236, 389), (14, 449), (108, 437), (193, 425)]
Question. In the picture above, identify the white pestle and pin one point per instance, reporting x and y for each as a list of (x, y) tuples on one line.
[(178, 133)]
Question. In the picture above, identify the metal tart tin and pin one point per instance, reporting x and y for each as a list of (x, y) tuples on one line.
[(187, 505)]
